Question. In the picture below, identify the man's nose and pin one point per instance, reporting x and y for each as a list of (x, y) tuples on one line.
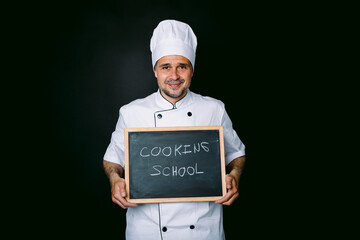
[(175, 74)]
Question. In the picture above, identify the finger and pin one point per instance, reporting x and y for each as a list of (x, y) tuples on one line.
[(225, 198), (115, 200), (228, 194), (122, 202), (119, 194), (229, 197), (232, 199), (228, 181), (123, 195), (122, 189), (129, 204), (126, 203)]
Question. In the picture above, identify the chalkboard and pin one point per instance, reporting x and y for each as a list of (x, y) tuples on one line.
[(177, 164)]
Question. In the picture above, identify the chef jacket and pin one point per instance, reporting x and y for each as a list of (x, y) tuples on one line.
[(162, 221)]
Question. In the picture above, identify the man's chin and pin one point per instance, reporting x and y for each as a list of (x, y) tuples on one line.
[(175, 94)]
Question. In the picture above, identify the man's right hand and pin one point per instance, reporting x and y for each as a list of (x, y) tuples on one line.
[(115, 172), (118, 193)]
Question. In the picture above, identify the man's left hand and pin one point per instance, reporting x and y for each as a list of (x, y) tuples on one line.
[(232, 185)]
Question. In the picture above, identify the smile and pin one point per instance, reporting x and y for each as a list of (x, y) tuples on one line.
[(174, 84)]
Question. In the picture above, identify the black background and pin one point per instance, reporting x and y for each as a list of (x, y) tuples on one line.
[(78, 62)]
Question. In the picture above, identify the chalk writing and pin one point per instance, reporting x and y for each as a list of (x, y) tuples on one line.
[(176, 150), (175, 171)]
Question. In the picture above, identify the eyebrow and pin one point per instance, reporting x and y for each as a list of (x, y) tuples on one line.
[(168, 64), (165, 65)]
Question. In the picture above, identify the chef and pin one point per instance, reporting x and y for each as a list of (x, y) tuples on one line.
[(173, 47)]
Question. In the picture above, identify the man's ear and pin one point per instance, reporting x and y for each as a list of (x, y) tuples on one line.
[(155, 72)]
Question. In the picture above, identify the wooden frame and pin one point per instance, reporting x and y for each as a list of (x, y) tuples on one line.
[(176, 199)]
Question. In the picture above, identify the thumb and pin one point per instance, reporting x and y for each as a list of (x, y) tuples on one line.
[(122, 187), (118, 189), (228, 181)]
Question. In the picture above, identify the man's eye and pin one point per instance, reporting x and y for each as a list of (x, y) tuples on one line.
[(165, 67)]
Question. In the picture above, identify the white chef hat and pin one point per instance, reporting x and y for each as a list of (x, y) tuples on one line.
[(172, 37)]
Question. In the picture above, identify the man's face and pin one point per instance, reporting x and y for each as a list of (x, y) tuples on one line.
[(174, 75)]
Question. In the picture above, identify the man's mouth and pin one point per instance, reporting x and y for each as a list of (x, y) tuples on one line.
[(174, 84)]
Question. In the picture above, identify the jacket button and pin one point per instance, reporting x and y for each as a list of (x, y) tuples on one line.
[(189, 114), (192, 226), (159, 116), (164, 229)]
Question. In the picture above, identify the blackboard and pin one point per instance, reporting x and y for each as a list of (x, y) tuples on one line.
[(177, 164)]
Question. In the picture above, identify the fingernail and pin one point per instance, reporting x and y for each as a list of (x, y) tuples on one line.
[(123, 194)]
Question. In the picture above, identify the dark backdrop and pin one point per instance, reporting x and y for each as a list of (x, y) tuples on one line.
[(88, 58)]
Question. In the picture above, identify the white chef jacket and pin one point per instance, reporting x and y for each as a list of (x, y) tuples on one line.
[(162, 221)]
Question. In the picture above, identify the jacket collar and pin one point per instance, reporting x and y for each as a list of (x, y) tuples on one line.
[(165, 104)]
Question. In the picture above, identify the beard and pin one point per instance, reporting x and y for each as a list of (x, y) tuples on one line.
[(174, 95)]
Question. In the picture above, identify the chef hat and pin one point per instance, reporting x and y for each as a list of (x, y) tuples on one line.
[(172, 37)]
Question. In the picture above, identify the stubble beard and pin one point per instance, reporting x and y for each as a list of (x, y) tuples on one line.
[(174, 95)]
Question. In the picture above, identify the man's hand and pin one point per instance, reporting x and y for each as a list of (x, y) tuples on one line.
[(118, 194), (232, 185), (234, 168), (115, 173)]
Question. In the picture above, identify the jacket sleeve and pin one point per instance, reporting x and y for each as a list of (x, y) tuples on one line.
[(234, 148), (115, 151)]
